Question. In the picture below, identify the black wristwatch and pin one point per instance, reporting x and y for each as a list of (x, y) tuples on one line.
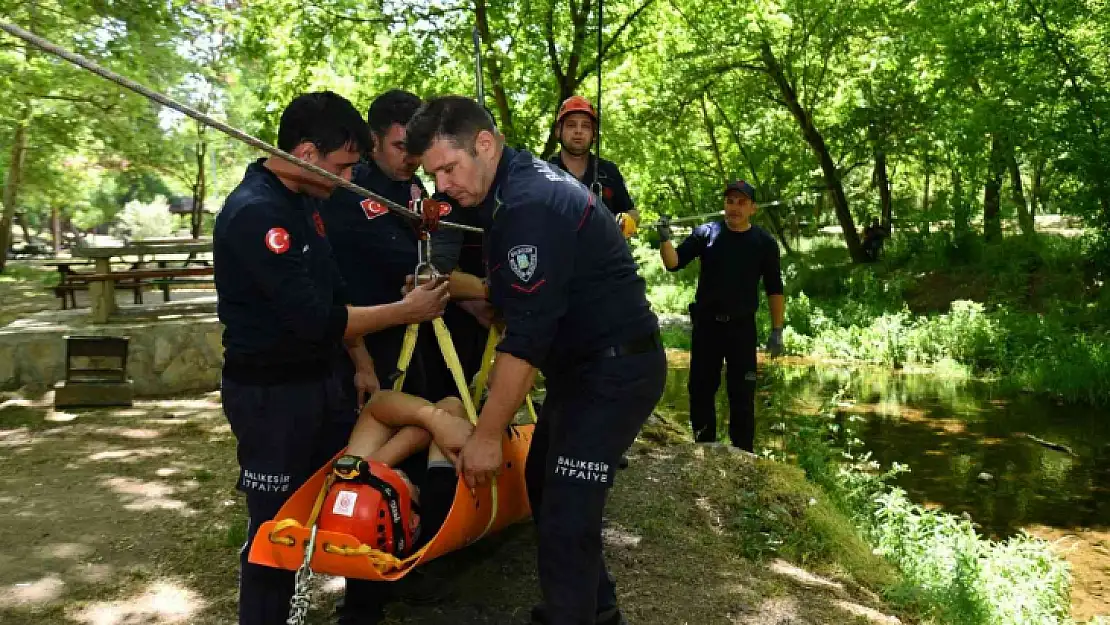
[(349, 467)]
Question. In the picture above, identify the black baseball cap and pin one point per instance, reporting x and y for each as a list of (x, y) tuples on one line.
[(742, 187)]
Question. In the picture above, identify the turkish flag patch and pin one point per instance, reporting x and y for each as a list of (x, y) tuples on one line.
[(319, 223), (277, 239), (373, 208)]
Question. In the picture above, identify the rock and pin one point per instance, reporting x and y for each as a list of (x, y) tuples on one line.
[(985, 477), (164, 350)]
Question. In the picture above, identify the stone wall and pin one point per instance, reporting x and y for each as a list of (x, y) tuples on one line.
[(168, 355)]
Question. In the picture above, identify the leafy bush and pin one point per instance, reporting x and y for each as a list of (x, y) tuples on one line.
[(140, 220)]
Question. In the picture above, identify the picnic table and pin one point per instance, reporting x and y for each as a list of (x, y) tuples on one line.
[(102, 282), (65, 267)]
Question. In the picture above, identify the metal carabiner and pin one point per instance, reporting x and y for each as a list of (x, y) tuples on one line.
[(597, 189), (424, 267)]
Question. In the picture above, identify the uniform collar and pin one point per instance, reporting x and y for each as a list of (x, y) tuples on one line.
[(297, 200), (493, 197), (377, 178)]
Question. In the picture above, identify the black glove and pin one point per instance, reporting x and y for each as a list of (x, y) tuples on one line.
[(663, 227)]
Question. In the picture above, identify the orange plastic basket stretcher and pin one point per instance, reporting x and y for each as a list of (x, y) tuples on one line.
[(281, 542)]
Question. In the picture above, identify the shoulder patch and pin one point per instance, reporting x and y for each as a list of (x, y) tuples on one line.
[(372, 208), (277, 239), (523, 260)]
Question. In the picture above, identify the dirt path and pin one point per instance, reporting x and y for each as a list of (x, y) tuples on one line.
[(24, 291), (120, 517)]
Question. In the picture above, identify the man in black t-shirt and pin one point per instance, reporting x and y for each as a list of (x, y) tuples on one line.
[(734, 255)]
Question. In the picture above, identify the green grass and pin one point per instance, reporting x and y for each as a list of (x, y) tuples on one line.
[(945, 571)]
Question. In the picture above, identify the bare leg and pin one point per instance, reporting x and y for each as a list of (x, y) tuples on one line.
[(374, 440), (454, 407)]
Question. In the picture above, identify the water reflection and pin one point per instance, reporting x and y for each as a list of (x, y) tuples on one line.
[(951, 431)]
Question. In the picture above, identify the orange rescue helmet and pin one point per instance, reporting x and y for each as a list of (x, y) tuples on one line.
[(373, 503), (576, 104)]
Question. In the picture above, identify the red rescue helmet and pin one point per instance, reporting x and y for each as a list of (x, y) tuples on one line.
[(373, 503), (576, 104)]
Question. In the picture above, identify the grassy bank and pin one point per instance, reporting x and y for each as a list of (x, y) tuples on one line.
[(1032, 313), (946, 571)]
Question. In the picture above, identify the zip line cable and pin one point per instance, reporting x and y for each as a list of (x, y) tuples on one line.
[(51, 48)]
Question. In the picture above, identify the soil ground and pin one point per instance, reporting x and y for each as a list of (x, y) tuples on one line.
[(128, 516)]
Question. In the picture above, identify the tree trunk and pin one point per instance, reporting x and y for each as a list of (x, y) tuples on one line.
[(883, 182), (1017, 190), (56, 229), (712, 132), (779, 231), (199, 185), (992, 191), (11, 184), (499, 94), (925, 196), (1035, 198), (20, 220), (817, 143), (961, 221)]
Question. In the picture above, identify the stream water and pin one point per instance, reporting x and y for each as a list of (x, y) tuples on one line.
[(969, 448)]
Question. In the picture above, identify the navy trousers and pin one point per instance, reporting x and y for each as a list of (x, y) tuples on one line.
[(715, 341), (285, 432), (590, 417)]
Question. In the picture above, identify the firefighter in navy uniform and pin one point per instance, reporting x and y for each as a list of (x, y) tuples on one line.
[(376, 249), (281, 301), (576, 126), (735, 255), (561, 275)]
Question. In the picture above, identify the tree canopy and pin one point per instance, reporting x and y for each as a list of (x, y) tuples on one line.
[(965, 113)]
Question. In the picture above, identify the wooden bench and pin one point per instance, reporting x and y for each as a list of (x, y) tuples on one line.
[(138, 279)]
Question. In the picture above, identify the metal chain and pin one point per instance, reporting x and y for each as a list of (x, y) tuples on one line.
[(122, 81), (299, 603)]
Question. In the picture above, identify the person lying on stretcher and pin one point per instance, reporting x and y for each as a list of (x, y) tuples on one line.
[(395, 485)]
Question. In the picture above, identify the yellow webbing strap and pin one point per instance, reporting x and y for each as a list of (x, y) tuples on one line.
[(285, 524), (451, 357), (531, 407), (482, 378), (408, 346)]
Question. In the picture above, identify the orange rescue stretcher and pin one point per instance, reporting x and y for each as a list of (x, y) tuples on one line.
[(282, 541)]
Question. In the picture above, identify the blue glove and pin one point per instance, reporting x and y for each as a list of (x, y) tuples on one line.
[(774, 342)]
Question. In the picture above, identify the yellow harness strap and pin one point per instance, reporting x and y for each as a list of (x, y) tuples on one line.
[(408, 346), (482, 378)]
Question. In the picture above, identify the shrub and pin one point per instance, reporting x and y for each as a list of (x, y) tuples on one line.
[(139, 220)]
